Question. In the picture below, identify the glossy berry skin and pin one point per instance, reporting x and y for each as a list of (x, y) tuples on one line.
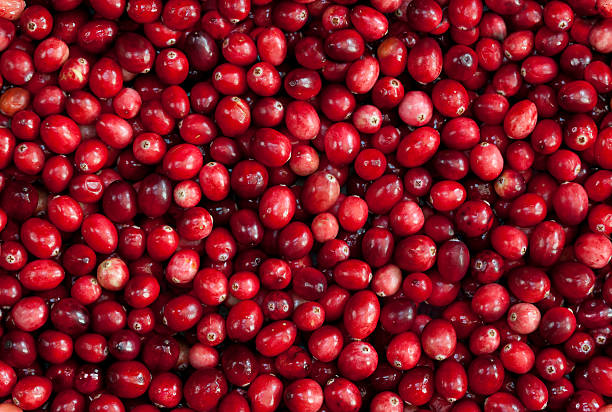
[(305, 206), (99, 233), (205, 388), (361, 314), (40, 238), (342, 395), (451, 380), (404, 351), (31, 392), (532, 392), (439, 339), (557, 324), (303, 395), (60, 133)]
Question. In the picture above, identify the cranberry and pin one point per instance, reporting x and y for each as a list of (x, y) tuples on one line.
[(99, 233), (60, 134), (450, 98), (40, 238), (105, 78), (523, 318), (509, 242), (424, 181), (557, 324), (416, 108), (425, 60), (485, 375), (451, 380), (304, 395), (439, 339), (16, 66), (357, 353), (386, 401), (31, 392), (41, 275), (580, 347), (486, 161), (343, 395), (404, 351), (517, 357), (417, 386), (205, 388)]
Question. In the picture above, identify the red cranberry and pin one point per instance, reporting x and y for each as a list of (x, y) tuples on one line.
[(285, 195), (205, 388), (31, 392), (343, 395)]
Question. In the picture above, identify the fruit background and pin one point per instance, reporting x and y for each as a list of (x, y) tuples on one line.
[(305, 205)]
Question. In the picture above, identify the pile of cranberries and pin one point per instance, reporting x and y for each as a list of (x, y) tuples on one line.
[(305, 205)]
